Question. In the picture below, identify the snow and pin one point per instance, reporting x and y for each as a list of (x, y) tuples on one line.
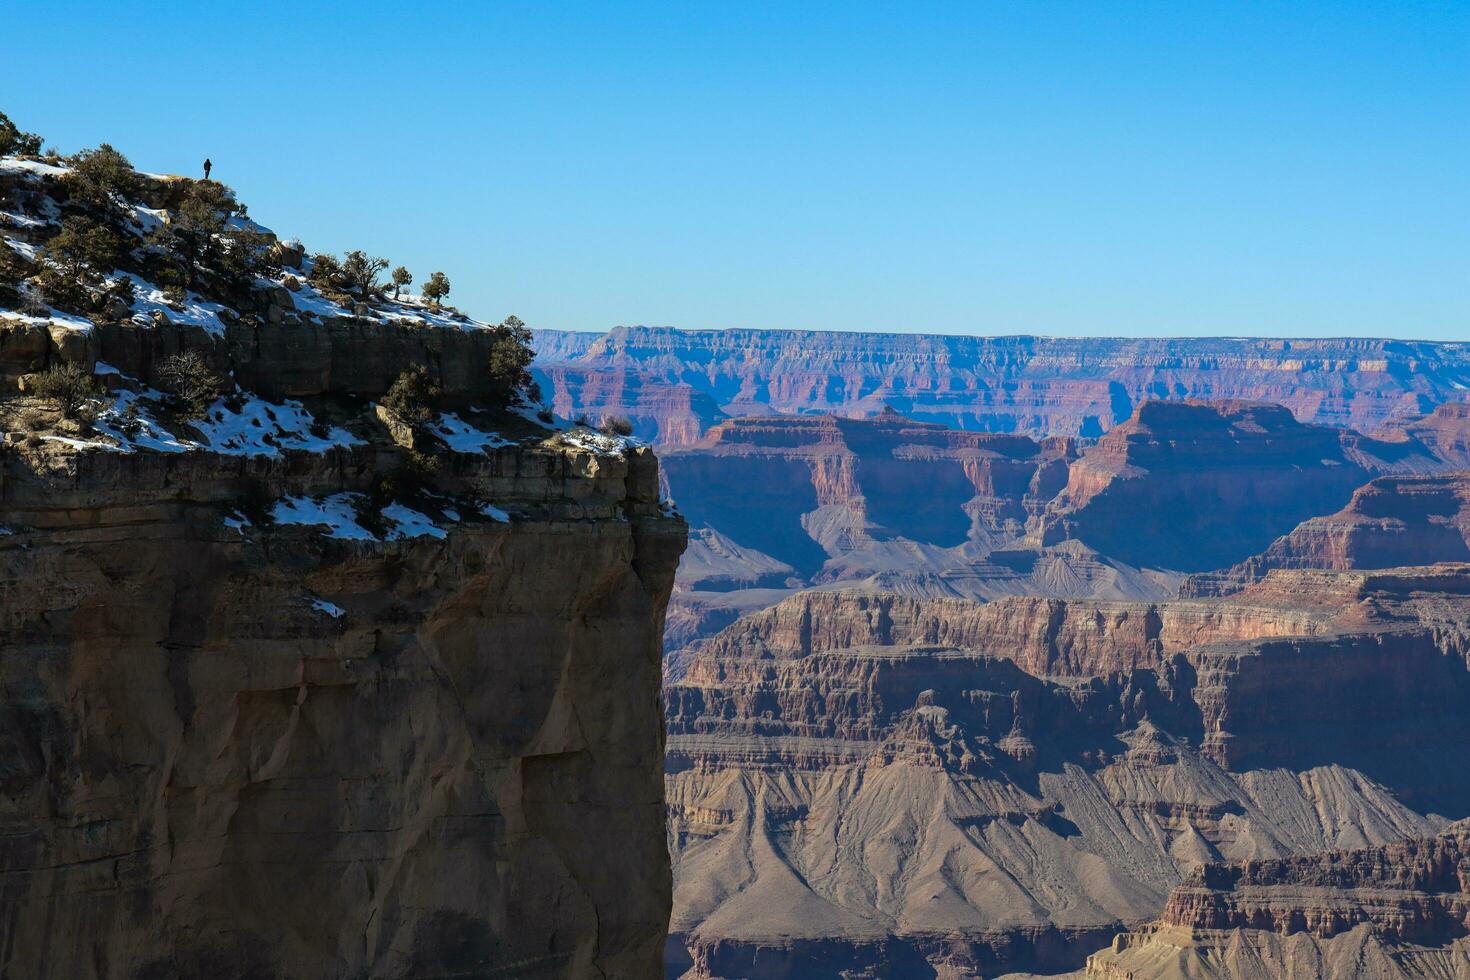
[(149, 434), (601, 445), (262, 428), (5, 530), (335, 512), (25, 249), (237, 521), (331, 609), (193, 311), (102, 367), (495, 513), (463, 437), (411, 524), (56, 319), (13, 165)]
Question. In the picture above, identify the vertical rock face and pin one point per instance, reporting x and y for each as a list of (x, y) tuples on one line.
[(908, 787), (258, 751), (675, 384)]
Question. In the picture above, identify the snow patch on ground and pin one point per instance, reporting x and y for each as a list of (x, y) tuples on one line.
[(331, 609), (262, 428), (411, 524), (596, 442), (11, 165), (56, 319), (336, 513), (193, 311), (237, 521), (462, 437), (495, 513), (130, 411)]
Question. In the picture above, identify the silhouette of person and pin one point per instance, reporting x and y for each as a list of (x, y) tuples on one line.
[(207, 168)]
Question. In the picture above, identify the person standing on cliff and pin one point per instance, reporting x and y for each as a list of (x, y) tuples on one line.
[(207, 168)]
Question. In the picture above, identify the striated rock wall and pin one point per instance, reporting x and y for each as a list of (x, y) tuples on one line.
[(263, 751), (675, 384)]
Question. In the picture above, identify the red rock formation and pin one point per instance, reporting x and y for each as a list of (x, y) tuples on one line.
[(1040, 386), (1193, 486), (1394, 520)]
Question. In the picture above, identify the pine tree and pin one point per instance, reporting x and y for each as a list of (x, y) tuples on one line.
[(436, 288), (401, 277)]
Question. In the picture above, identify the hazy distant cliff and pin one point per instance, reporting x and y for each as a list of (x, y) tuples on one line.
[(675, 384)]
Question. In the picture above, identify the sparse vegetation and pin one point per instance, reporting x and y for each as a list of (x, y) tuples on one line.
[(359, 273), (67, 386), (76, 259), (14, 140), (510, 357), (401, 278), (103, 180), (413, 397), (616, 425), (208, 237), (436, 288), (191, 382)]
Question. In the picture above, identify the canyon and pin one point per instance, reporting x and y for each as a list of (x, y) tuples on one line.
[(676, 384)]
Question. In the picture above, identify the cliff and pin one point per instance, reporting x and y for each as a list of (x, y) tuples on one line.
[(296, 687), (945, 786), (1399, 910), (675, 384)]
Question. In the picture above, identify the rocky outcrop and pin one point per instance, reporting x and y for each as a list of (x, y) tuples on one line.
[(283, 698), (1194, 487), (675, 384), (1395, 910), (1393, 520), (939, 785), (264, 751)]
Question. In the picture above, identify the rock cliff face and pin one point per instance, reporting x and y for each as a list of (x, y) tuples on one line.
[(1399, 910), (939, 785), (676, 384), (282, 697), (1393, 520)]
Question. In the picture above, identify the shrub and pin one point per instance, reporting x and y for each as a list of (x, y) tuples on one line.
[(188, 378), (510, 357), (207, 236), (616, 425), (104, 179), (15, 141), (67, 386), (326, 272), (401, 277), (360, 272), (436, 288), (413, 397)]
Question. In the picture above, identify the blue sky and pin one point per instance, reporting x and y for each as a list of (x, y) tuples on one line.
[(1056, 168)]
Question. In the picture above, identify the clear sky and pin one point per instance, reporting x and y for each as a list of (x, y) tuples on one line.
[(1058, 168)]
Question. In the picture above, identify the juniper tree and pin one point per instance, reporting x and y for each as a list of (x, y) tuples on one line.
[(361, 273), (401, 277), (104, 179), (510, 357), (413, 397), (436, 288), (13, 140)]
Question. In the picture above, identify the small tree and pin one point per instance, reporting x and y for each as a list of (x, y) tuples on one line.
[(401, 277), (13, 140), (326, 272), (436, 288), (104, 179), (510, 357), (207, 234), (68, 386), (76, 260), (360, 271), (413, 397), (616, 425), (188, 378)]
